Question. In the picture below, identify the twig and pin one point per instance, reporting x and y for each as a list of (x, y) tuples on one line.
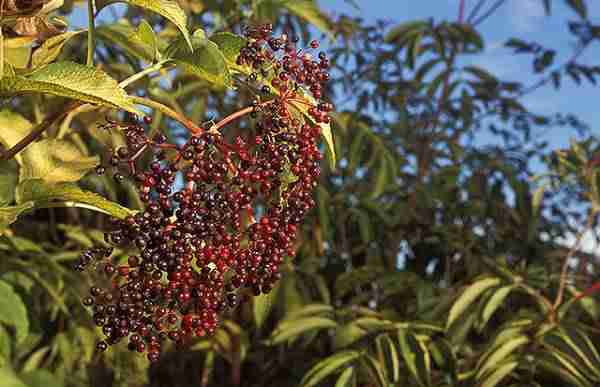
[(578, 51), (39, 129), (474, 11), (489, 13), (461, 11), (155, 67)]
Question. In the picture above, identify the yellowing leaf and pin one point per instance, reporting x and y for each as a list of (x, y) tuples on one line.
[(68, 194), (9, 215), (50, 49), (55, 161)]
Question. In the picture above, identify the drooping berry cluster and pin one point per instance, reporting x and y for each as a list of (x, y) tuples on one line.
[(220, 216)]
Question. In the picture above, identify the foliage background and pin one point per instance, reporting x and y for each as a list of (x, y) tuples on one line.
[(431, 260)]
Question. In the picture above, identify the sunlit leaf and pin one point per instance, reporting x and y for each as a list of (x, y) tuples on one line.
[(290, 329), (169, 9), (66, 194), (51, 48), (13, 312), (70, 80), (262, 306), (206, 61), (468, 297), (328, 366)]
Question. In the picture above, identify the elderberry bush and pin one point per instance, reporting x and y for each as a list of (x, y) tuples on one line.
[(220, 216)]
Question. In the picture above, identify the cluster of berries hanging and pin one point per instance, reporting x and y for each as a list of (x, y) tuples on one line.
[(220, 215)]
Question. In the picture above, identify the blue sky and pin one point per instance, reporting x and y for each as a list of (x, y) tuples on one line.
[(523, 19)]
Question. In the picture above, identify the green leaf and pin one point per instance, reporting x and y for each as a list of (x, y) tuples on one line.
[(55, 161), (24, 245), (585, 347), (10, 379), (206, 61), (144, 36), (400, 31), (356, 149), (13, 312), (230, 45), (483, 75), (13, 127), (17, 51), (5, 347), (169, 9), (69, 195), (575, 345), (415, 357), (262, 306), (310, 310), (36, 359), (579, 6), (551, 364), (568, 365), (328, 366), (9, 176), (120, 34), (2, 56), (499, 373), (376, 371), (8, 215), (443, 354), (499, 353), (40, 378), (70, 80), (50, 49), (290, 329), (345, 379), (468, 297), (381, 179), (364, 225), (373, 323), (494, 303), (348, 334), (309, 11), (413, 50), (391, 356), (322, 198)]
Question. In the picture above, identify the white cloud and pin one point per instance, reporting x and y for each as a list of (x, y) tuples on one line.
[(526, 15)]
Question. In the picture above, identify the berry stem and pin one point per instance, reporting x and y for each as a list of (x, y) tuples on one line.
[(193, 128), (234, 116), (148, 70), (38, 130)]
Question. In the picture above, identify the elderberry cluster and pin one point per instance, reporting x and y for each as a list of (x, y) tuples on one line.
[(219, 215)]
